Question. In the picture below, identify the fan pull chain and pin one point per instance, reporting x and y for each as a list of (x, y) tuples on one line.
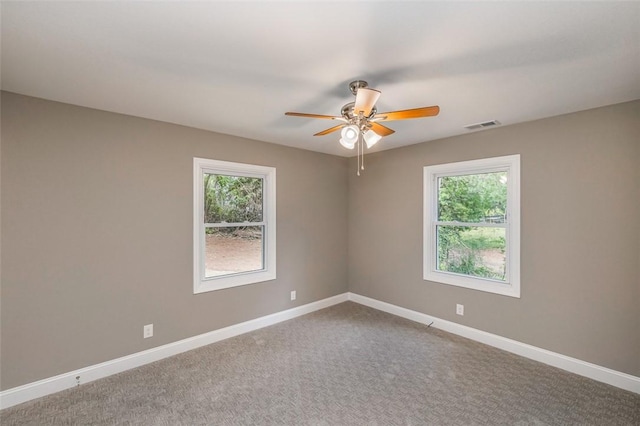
[(358, 157)]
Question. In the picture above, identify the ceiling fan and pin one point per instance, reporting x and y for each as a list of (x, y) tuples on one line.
[(360, 120)]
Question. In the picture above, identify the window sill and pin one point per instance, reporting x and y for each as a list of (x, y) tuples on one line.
[(228, 281), (480, 284)]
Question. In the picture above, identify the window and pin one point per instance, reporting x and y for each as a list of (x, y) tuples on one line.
[(472, 224), (234, 231)]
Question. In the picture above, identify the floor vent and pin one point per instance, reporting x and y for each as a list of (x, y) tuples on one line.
[(482, 125)]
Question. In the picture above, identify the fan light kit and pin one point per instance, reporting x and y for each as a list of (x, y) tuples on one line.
[(360, 119)]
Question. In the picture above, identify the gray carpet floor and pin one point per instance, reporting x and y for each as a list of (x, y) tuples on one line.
[(344, 365)]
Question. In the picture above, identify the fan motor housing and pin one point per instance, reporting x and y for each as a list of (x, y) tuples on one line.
[(347, 111)]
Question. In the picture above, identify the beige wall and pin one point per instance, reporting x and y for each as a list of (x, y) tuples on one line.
[(97, 235), (580, 235)]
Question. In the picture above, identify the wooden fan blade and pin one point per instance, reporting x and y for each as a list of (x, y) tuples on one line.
[(408, 113), (365, 100), (330, 130), (381, 130), (302, 114)]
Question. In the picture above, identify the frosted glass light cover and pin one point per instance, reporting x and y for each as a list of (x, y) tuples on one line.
[(347, 144), (349, 136), (371, 138)]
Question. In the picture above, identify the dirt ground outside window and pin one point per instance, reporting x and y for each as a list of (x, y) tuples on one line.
[(232, 253)]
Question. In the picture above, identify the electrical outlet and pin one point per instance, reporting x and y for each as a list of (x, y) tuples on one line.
[(293, 295), (147, 331), (460, 309)]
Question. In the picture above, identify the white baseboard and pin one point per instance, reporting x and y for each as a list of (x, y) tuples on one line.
[(44, 387), (573, 365)]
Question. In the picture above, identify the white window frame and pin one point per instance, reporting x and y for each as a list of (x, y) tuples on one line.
[(201, 166), (509, 164)]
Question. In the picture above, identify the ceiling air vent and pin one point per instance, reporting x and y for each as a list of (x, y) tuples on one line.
[(482, 125)]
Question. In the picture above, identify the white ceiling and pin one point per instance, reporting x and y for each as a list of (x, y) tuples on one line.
[(236, 67)]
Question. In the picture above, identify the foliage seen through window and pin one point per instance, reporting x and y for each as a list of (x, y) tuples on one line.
[(468, 247)]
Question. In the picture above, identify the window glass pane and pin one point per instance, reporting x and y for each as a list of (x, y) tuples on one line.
[(473, 198), (472, 250), (232, 199), (231, 250)]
